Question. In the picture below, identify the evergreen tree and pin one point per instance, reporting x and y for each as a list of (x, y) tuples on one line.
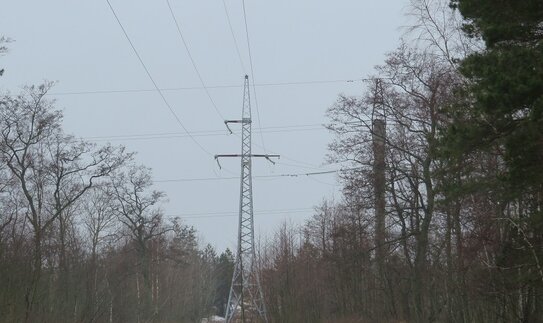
[(223, 278), (506, 87), (500, 116)]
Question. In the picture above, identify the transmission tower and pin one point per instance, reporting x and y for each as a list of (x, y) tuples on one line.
[(245, 300)]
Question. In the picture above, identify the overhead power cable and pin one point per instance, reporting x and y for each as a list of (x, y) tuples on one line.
[(252, 74), (211, 133), (183, 40), (233, 213), (190, 88), (258, 176), (300, 164), (157, 89), (233, 36), (288, 157)]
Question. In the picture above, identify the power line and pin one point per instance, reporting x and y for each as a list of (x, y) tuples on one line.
[(211, 133), (308, 166), (214, 133), (180, 33), (294, 175), (153, 81), (182, 135), (300, 164), (255, 212), (233, 36), (294, 160), (234, 214), (252, 73), (189, 88)]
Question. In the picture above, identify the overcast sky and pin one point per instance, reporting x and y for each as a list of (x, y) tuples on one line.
[(80, 45)]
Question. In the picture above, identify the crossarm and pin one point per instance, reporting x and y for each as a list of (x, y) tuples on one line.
[(268, 157)]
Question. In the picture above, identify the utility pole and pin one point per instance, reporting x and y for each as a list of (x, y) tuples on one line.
[(245, 300)]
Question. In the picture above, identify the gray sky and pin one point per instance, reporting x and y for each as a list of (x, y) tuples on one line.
[(80, 45)]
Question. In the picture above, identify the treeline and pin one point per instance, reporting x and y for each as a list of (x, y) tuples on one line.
[(82, 235), (441, 216)]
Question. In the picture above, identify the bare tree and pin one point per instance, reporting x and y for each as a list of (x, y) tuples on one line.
[(51, 170), (437, 29), (136, 207), (101, 225), (410, 94)]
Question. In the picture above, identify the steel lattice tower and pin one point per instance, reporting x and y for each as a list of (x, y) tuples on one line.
[(245, 301)]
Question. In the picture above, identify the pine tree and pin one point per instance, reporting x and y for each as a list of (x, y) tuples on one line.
[(506, 86), (499, 115)]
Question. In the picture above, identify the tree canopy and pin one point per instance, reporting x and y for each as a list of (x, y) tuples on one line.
[(504, 96)]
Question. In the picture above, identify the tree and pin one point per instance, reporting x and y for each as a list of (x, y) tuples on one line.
[(438, 30), (51, 170), (223, 274), (101, 226), (506, 84), (501, 114), (82, 236), (410, 94), (505, 94), (135, 206)]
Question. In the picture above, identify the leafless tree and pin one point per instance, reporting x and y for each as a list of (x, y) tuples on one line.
[(51, 170), (136, 206), (410, 94), (437, 29)]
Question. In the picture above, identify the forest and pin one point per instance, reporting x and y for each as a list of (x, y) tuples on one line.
[(440, 217)]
